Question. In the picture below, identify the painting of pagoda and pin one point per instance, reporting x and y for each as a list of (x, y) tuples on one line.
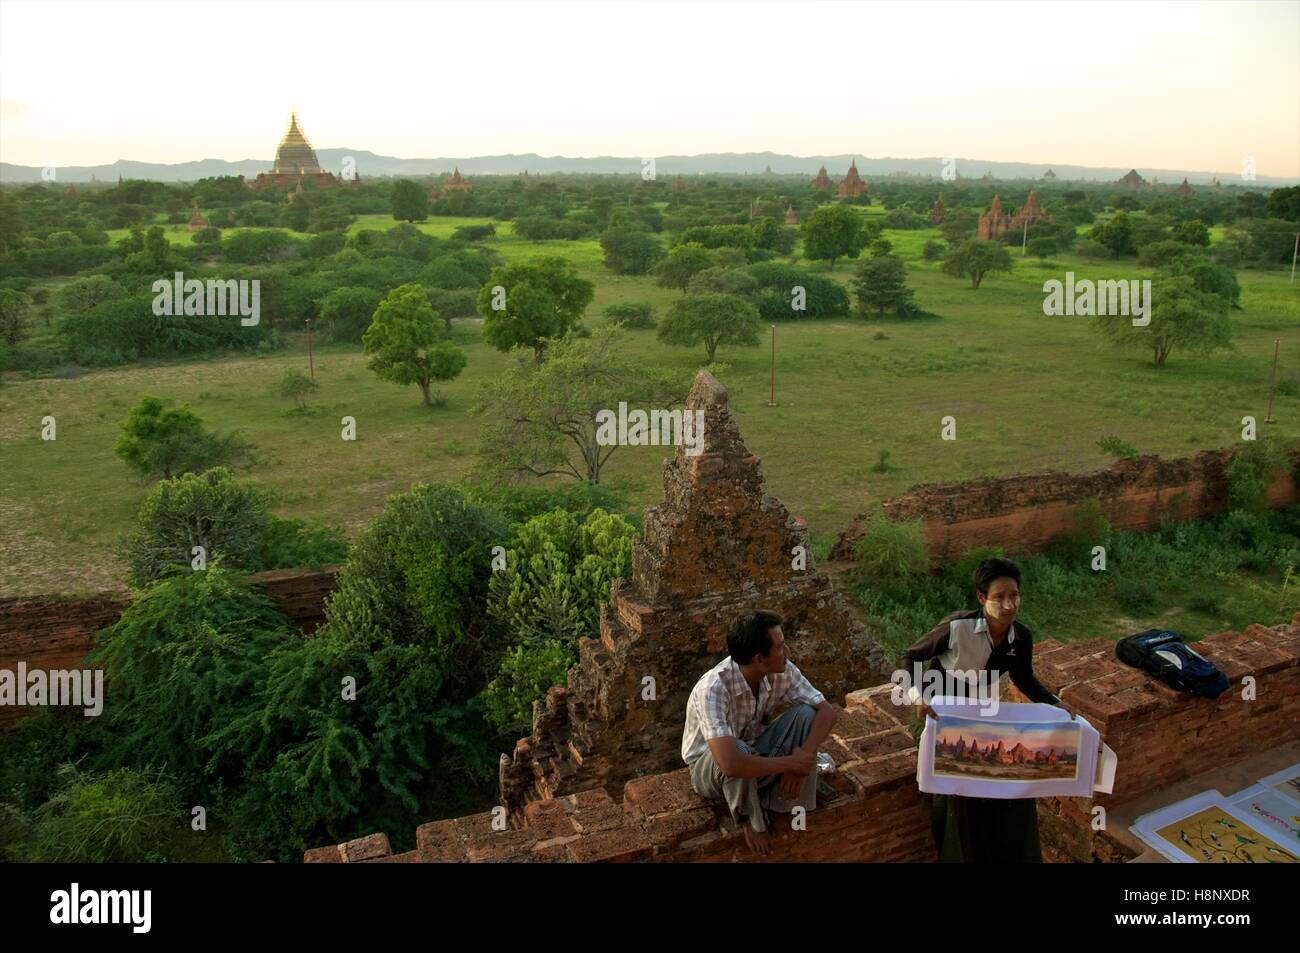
[(295, 163), (1006, 751)]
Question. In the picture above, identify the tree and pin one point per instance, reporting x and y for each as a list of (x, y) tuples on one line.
[(933, 250), (1284, 204), (162, 441), (958, 225), (881, 284), (1192, 232), (975, 258), (833, 232), (1115, 235), (347, 312), (630, 251), (11, 225), (409, 201), (538, 301), (682, 264), (1181, 315), (543, 416), (710, 319), (405, 345), (15, 308)]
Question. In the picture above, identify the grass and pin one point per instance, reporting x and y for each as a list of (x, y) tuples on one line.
[(1029, 392)]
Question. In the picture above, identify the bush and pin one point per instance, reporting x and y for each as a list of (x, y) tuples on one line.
[(892, 552), (162, 441), (1117, 448), (637, 316), (296, 386), (119, 816), (1251, 472), (934, 250), (185, 661), (1135, 596), (558, 572), (1042, 247)]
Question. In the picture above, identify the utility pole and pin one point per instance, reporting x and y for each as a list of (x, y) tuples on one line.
[(771, 399), (311, 365), (1293, 255), (1268, 418)]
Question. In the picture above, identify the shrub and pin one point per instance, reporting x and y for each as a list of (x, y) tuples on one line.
[(933, 250), (296, 386), (637, 316), (1135, 596), (1251, 472), (1116, 447), (557, 574), (184, 661), (891, 552), (119, 816), (162, 441)]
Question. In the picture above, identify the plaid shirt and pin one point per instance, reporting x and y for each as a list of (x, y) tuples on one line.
[(722, 704)]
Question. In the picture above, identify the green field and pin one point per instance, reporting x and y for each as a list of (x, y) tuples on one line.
[(1029, 392)]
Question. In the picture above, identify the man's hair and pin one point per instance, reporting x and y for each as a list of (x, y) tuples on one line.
[(994, 568), (751, 635)]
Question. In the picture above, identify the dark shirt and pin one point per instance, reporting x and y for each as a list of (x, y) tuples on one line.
[(962, 642)]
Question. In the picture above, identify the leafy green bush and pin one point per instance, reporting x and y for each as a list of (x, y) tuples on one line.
[(1251, 472), (184, 661), (1116, 447), (1134, 595), (520, 503), (636, 316), (891, 552), (406, 628), (120, 816), (557, 574)]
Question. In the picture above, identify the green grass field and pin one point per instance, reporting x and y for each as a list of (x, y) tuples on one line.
[(1029, 392)]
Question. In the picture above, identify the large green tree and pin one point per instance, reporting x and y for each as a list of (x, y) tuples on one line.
[(410, 204), (683, 263), (406, 343), (833, 232), (710, 319), (975, 258), (528, 304), (881, 284), (629, 250), (1181, 315)]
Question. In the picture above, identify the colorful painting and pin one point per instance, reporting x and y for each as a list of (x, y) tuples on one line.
[(1286, 783), (1006, 751), (1270, 812), (1214, 836)]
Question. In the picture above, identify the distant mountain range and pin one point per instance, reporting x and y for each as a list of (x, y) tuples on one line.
[(736, 163)]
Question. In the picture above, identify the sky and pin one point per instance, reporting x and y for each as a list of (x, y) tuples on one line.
[(1195, 86)]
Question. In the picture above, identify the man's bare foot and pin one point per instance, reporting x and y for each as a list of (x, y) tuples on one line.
[(759, 842)]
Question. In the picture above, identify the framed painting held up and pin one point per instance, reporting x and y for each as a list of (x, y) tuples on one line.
[(1022, 751)]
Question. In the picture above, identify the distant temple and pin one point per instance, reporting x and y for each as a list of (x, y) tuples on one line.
[(1131, 180), (679, 184), (790, 217), (197, 221), (295, 160), (823, 181), (995, 222), (457, 183), (938, 212), (1215, 183), (852, 186), (1184, 189), (1049, 176)]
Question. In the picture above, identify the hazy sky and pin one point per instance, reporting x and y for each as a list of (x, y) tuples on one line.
[(1163, 85)]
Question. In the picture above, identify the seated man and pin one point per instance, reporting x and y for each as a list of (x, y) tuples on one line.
[(734, 753)]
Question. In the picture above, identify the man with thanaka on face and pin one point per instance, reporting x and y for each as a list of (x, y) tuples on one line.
[(737, 753)]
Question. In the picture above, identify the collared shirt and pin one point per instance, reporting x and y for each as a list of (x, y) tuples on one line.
[(961, 643), (722, 704)]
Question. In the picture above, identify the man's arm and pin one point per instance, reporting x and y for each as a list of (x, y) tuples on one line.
[(735, 763), (821, 726)]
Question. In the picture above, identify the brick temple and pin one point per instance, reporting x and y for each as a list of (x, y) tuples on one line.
[(822, 181), (717, 546), (851, 186), (995, 221)]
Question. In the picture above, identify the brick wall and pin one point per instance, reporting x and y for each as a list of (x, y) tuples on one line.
[(1024, 512), (1159, 735), (53, 632)]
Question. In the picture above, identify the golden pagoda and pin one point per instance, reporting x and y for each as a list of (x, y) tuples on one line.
[(295, 160)]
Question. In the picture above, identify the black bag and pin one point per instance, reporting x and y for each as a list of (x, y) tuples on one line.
[(1163, 653)]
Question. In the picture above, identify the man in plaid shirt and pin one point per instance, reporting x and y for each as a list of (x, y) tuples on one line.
[(736, 753)]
